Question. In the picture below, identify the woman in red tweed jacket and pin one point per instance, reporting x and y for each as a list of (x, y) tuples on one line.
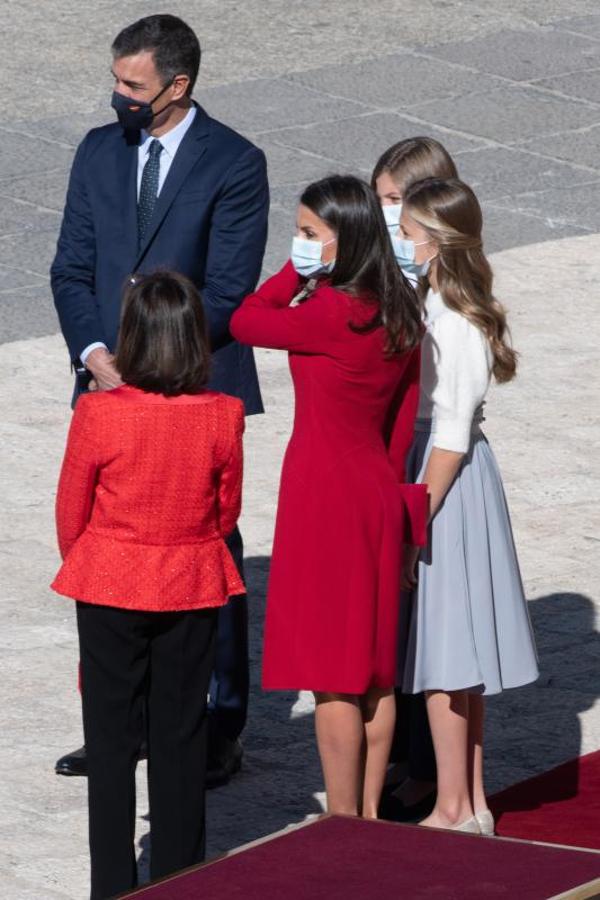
[(149, 489)]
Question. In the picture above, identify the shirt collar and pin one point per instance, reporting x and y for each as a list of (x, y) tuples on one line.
[(172, 139)]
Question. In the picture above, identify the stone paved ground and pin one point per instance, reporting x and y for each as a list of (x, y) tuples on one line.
[(512, 88)]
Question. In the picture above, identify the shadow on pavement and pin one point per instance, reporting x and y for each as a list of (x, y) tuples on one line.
[(536, 728)]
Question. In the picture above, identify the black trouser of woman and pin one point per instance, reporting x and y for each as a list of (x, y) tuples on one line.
[(163, 661)]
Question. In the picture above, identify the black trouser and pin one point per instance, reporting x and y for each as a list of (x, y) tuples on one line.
[(163, 661), (412, 737), (229, 686)]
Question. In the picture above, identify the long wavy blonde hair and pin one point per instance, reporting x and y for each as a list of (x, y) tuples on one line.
[(450, 213)]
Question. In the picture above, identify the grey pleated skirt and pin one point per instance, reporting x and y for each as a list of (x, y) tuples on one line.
[(466, 626)]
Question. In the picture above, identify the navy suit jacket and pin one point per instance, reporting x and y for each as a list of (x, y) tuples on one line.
[(209, 223)]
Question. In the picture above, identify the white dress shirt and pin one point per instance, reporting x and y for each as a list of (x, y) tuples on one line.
[(170, 143), (456, 362)]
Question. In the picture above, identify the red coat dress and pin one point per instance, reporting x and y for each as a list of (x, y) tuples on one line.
[(343, 513), (150, 486)]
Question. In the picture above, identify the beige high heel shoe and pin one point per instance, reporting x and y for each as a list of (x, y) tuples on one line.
[(486, 822)]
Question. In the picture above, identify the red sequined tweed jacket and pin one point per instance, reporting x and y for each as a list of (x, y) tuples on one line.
[(149, 487)]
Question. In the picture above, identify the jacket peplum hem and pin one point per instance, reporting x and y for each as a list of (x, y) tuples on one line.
[(149, 577)]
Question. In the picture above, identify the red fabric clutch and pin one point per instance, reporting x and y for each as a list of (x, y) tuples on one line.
[(416, 507)]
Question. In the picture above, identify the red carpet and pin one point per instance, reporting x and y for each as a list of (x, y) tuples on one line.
[(338, 858), (561, 806)]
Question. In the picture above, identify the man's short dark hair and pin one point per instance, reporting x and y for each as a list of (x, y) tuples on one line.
[(173, 44), (163, 343)]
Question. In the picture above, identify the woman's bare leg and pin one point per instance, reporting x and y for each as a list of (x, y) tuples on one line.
[(379, 716), (340, 739), (449, 721), (476, 720)]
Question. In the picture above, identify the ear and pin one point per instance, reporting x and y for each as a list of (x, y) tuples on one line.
[(180, 86)]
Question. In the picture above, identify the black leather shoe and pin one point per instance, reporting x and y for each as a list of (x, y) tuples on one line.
[(75, 763), (224, 760)]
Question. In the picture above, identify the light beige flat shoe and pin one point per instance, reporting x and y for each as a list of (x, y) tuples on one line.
[(486, 822), (470, 825)]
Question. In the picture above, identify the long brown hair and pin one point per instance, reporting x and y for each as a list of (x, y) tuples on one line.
[(163, 343), (365, 265), (412, 160), (450, 214)]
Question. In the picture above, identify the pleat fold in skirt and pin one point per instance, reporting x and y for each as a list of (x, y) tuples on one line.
[(466, 626)]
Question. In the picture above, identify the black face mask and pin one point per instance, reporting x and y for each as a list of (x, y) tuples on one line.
[(136, 114)]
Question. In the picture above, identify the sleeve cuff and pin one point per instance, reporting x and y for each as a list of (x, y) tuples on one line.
[(86, 352), (452, 435), (287, 283)]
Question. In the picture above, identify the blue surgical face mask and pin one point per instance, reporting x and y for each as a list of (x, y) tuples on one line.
[(391, 214), (404, 251), (306, 257)]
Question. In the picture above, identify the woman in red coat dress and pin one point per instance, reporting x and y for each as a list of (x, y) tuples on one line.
[(352, 333), (150, 487)]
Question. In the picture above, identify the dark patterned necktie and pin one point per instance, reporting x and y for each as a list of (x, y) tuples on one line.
[(148, 188)]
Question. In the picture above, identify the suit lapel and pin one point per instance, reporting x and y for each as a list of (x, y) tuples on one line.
[(192, 148)]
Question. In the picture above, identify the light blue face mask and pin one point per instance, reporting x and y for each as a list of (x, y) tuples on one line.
[(391, 214), (404, 251), (306, 257)]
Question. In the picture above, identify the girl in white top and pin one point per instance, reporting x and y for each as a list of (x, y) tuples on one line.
[(466, 631)]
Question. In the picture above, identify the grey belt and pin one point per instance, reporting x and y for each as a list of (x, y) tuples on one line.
[(478, 418)]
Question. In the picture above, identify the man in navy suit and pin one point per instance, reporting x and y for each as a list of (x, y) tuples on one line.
[(166, 186)]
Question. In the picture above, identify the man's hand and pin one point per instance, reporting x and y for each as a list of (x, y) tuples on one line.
[(101, 364)]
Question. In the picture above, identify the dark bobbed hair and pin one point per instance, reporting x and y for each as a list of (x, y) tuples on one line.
[(365, 265), (413, 159), (173, 44), (163, 343)]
